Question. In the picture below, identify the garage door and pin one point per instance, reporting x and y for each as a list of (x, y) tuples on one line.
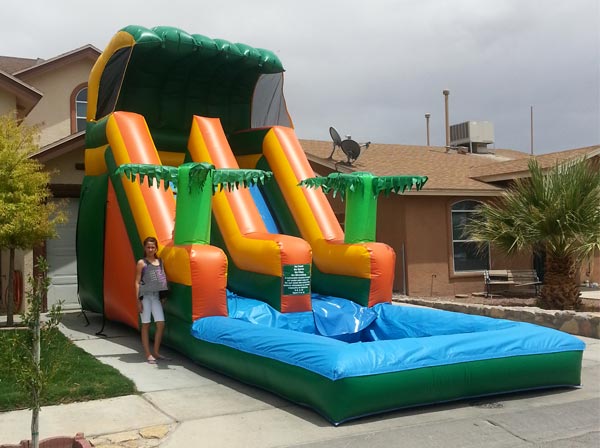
[(62, 263)]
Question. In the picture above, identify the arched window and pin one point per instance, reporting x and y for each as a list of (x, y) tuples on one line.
[(79, 108), (468, 254)]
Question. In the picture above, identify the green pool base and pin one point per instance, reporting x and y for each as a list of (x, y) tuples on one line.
[(354, 397)]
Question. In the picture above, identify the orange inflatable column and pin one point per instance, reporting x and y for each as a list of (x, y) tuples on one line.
[(119, 265)]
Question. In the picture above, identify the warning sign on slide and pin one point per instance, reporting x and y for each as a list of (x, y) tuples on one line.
[(296, 279)]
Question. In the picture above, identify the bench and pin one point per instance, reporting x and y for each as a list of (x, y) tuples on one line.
[(511, 278)]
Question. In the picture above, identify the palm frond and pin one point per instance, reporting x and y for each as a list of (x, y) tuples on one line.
[(231, 179), (228, 179), (336, 183), (397, 184), (158, 173), (558, 209), (340, 183)]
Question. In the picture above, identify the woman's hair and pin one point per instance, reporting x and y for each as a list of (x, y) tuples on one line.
[(150, 239)]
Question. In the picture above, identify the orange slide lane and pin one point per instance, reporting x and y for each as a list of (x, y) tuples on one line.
[(250, 245), (319, 226), (153, 211)]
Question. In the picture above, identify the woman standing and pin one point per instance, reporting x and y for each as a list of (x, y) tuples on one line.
[(150, 278)]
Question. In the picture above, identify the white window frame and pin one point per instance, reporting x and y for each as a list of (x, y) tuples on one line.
[(77, 116)]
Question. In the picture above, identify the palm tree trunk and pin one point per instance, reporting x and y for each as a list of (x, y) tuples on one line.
[(560, 289)]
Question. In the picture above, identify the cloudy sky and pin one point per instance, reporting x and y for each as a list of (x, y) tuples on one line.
[(373, 68)]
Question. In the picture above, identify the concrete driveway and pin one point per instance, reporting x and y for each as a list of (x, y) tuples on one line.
[(186, 405)]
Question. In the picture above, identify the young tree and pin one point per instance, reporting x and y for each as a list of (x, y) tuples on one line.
[(555, 212), (27, 217), (33, 374)]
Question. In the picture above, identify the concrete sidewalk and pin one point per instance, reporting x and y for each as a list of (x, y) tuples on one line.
[(181, 404)]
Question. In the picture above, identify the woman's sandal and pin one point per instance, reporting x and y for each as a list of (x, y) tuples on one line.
[(151, 359), (163, 358)]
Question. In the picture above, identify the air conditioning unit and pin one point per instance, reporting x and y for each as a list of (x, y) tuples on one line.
[(474, 135)]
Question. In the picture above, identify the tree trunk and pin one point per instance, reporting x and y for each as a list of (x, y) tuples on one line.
[(35, 425), (10, 297), (560, 289), (35, 414)]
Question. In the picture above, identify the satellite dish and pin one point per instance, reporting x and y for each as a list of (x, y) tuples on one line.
[(335, 136), (348, 146), (337, 140), (351, 149)]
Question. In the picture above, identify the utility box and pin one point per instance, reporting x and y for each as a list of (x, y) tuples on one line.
[(475, 135)]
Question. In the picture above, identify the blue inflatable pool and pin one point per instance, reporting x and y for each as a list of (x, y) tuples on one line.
[(347, 361)]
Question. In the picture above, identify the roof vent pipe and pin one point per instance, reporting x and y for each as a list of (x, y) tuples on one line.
[(446, 93)]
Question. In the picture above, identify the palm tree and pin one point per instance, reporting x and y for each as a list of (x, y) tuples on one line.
[(556, 212)]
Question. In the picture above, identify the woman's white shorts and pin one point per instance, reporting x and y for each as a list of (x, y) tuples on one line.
[(151, 306)]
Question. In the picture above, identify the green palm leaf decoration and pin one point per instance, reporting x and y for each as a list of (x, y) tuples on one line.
[(198, 173), (232, 179), (338, 183), (157, 173), (362, 190), (397, 184), (341, 183), (229, 179), (193, 205)]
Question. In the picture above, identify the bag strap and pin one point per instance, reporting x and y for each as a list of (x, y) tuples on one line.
[(146, 263)]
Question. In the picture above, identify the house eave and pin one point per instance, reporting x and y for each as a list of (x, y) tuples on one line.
[(523, 173), (60, 147), (458, 192), (85, 52), (26, 95)]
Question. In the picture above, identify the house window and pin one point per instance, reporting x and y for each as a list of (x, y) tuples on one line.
[(80, 109), (468, 254)]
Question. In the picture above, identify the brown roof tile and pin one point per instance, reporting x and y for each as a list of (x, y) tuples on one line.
[(446, 171), (12, 65), (509, 169), (87, 51)]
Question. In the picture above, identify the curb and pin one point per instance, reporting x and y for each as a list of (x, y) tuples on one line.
[(580, 324)]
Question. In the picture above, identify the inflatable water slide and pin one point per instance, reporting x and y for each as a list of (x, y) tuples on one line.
[(189, 140)]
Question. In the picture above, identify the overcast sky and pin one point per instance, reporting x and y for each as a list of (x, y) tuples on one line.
[(373, 68)]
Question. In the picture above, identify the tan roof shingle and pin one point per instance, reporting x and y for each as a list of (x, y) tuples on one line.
[(12, 65), (447, 171), (513, 168)]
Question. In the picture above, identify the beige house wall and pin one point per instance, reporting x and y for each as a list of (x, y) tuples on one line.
[(8, 103), (53, 113), (63, 170)]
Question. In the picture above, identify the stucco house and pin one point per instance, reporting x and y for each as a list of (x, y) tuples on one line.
[(423, 227), (52, 94)]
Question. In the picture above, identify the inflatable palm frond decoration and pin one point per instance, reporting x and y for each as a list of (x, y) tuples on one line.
[(157, 173), (340, 183), (397, 184), (337, 183), (198, 174), (229, 179)]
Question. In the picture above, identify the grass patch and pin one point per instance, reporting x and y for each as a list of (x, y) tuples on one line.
[(78, 377)]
